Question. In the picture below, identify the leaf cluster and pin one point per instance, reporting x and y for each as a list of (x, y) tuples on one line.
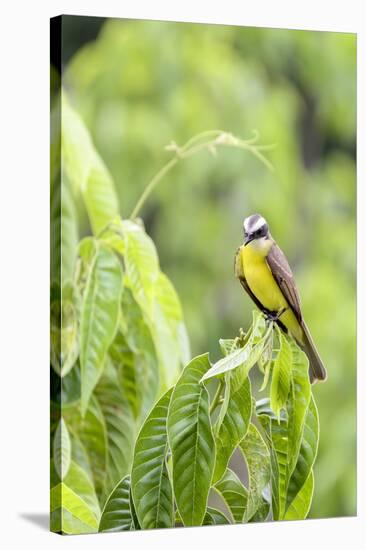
[(184, 450), (118, 338), (142, 436)]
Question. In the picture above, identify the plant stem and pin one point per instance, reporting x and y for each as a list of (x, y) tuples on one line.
[(202, 135), (216, 399), (152, 184), (199, 143)]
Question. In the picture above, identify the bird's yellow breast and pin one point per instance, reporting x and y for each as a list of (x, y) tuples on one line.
[(259, 277), (264, 286)]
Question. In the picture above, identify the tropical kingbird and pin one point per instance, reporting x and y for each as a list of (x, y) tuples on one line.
[(264, 272)]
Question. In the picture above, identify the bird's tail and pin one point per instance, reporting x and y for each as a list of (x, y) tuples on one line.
[(317, 371)]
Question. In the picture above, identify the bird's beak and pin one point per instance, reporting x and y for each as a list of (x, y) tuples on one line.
[(248, 239)]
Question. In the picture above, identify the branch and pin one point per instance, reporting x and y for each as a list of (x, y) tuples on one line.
[(208, 140)]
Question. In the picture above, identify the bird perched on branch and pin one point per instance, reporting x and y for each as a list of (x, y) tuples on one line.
[(264, 272)]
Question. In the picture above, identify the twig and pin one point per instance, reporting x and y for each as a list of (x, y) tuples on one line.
[(195, 145)]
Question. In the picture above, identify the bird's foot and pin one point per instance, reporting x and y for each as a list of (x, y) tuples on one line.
[(272, 316)]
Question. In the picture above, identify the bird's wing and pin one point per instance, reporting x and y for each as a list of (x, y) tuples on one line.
[(239, 273), (282, 273)]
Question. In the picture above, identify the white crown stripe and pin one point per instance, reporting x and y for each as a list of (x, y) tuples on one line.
[(251, 225)]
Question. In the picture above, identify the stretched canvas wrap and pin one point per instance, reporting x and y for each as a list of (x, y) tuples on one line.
[(203, 260)]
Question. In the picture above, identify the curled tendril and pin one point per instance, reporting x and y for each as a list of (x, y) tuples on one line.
[(208, 140)]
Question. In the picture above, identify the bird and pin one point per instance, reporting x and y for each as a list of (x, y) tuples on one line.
[(265, 274)]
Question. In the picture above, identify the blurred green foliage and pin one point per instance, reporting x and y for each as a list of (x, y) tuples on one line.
[(141, 84)]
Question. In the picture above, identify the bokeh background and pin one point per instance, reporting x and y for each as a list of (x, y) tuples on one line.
[(140, 84)]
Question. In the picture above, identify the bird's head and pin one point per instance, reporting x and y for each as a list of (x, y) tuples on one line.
[(256, 230)]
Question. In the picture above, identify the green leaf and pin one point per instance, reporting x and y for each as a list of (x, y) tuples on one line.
[(168, 329), (158, 301), (99, 195), (150, 483), (184, 346), (307, 454), (55, 127), (281, 374), (142, 265), (234, 424), (133, 512), (231, 489), (117, 514), (256, 454), (265, 361), (263, 408), (80, 456), (247, 355), (64, 336), (99, 318), (55, 335), (279, 441), (215, 517), (74, 504), (223, 407), (64, 231), (227, 346), (143, 364), (92, 432), (259, 327), (120, 429), (266, 420), (300, 506), (69, 337), (125, 363), (262, 512), (77, 148), (86, 251), (267, 371), (287, 438), (166, 345), (70, 387), (167, 298), (191, 441), (85, 169), (62, 449), (69, 232), (298, 403), (114, 240)]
